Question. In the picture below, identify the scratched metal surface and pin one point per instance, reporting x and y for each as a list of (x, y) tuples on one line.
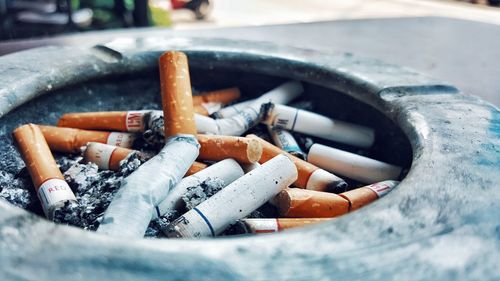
[(441, 222)]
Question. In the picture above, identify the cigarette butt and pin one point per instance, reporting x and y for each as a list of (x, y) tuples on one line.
[(257, 226), (310, 176), (71, 140), (235, 201), (282, 94), (216, 148), (223, 96), (362, 196), (301, 203), (206, 109), (177, 100), (317, 125), (49, 183), (352, 165), (195, 168), (226, 171), (105, 156), (231, 110), (120, 121), (284, 140), (233, 126), (108, 157), (131, 209)]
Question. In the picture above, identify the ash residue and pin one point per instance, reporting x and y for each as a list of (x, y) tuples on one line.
[(14, 190), (154, 135), (93, 189), (155, 227), (197, 194)]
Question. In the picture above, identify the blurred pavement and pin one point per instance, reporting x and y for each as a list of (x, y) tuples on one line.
[(231, 13)]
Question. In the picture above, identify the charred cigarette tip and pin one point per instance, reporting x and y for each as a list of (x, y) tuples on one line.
[(337, 187)]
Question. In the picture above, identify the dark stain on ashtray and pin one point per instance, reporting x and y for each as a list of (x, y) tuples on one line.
[(108, 141)]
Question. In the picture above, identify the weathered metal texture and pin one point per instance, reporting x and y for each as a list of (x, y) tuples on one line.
[(441, 222)]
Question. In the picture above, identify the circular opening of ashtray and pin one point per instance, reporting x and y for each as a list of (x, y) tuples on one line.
[(346, 153)]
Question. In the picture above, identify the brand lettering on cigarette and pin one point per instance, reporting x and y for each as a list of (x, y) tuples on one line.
[(57, 188), (281, 122), (134, 120), (119, 140), (380, 188)]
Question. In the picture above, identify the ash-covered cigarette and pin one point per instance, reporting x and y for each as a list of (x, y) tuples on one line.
[(236, 201), (199, 193), (282, 94), (93, 189)]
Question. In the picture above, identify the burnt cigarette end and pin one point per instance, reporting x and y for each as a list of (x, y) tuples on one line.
[(284, 202), (338, 187), (265, 109)]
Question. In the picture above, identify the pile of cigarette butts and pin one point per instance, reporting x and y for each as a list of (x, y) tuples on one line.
[(198, 139)]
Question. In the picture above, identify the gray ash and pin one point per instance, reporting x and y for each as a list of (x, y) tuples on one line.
[(155, 227), (154, 135), (14, 190), (197, 194), (93, 189)]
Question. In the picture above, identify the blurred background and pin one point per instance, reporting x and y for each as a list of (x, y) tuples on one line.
[(35, 18), (454, 41)]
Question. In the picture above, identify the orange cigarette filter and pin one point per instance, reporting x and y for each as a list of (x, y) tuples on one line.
[(108, 157), (177, 100), (71, 140), (120, 121), (362, 196), (304, 203), (286, 223), (217, 148), (279, 224), (304, 169), (224, 96), (47, 178), (195, 168)]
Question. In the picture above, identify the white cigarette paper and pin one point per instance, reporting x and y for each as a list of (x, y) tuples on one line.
[(227, 171), (124, 140), (284, 140), (231, 110), (354, 166), (236, 201), (313, 124), (53, 194), (99, 153), (233, 126), (282, 94), (211, 107), (261, 225), (131, 209)]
